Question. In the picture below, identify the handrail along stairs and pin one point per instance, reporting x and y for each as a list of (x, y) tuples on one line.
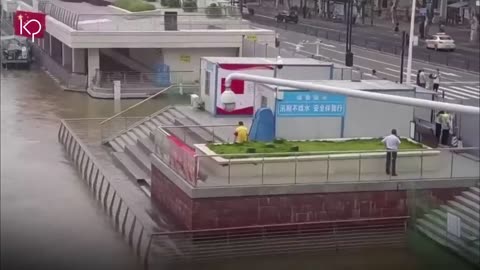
[(116, 116)]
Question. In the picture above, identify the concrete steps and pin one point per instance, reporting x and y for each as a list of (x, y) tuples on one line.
[(132, 148), (467, 208), (131, 166)]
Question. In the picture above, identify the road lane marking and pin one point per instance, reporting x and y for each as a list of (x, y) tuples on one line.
[(453, 95), (390, 64), (459, 93), (327, 45), (394, 76), (459, 82), (465, 90), (473, 88)]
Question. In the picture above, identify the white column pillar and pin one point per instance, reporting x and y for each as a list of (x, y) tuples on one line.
[(50, 51), (78, 61), (93, 64), (67, 56)]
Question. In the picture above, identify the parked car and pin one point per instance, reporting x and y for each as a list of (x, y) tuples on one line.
[(287, 16), (440, 41), (16, 52)]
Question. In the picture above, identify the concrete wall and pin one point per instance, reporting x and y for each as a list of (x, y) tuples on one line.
[(368, 118), (376, 121), (175, 58), (305, 72), (309, 128), (216, 212), (470, 128)]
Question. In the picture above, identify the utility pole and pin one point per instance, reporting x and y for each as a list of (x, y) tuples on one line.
[(348, 39), (410, 43), (403, 56), (371, 12)]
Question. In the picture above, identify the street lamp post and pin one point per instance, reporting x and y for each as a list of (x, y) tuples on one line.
[(410, 43), (348, 39)]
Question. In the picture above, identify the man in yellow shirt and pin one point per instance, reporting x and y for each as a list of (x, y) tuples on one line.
[(241, 133)]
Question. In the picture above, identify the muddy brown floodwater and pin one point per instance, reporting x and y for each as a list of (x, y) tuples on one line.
[(49, 219)]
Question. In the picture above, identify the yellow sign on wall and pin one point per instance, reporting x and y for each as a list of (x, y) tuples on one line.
[(185, 58), (252, 37)]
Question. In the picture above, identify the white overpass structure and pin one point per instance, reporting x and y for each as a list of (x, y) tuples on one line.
[(80, 36)]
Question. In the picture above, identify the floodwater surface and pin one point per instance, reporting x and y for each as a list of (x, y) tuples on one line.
[(49, 219)]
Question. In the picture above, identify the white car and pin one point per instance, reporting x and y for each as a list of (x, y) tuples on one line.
[(440, 41)]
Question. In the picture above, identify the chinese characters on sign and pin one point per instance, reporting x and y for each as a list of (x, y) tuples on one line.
[(310, 104)]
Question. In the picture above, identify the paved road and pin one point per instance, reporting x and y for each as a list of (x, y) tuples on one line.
[(378, 38), (458, 85)]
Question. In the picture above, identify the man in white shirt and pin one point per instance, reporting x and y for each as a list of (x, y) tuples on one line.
[(392, 142), (422, 80)]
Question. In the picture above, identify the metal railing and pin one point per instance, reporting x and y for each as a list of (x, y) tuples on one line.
[(364, 41), (141, 80), (157, 22), (276, 239), (210, 170), (141, 111), (63, 15), (125, 221)]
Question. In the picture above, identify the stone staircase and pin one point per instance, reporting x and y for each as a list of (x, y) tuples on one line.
[(132, 148), (465, 206)]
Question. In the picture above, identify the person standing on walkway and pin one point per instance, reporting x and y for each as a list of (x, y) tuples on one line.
[(438, 125), (436, 80), (241, 133), (392, 142), (422, 81), (445, 121)]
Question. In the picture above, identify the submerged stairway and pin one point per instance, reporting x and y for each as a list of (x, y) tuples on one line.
[(465, 206), (132, 148)]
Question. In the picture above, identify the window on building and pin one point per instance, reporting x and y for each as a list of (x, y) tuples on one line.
[(207, 83)]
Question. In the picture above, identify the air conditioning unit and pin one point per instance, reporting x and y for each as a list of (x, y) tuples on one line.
[(195, 101)]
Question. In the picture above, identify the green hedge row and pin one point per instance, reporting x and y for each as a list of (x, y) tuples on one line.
[(134, 5)]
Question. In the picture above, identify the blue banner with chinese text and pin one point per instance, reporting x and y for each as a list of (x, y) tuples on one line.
[(310, 104)]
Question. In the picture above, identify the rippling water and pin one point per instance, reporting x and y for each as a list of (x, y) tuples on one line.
[(49, 219)]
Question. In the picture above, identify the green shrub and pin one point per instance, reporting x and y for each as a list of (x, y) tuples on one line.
[(170, 3), (173, 3), (151, 0), (213, 11), (294, 148), (190, 6), (134, 5)]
